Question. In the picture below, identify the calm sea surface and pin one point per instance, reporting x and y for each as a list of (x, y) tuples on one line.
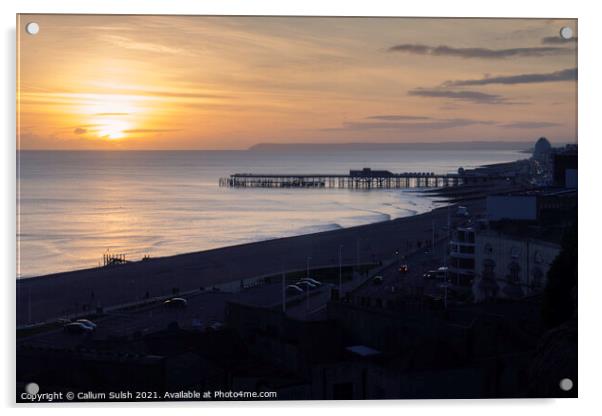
[(74, 206)]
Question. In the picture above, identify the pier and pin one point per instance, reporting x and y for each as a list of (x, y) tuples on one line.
[(356, 179)]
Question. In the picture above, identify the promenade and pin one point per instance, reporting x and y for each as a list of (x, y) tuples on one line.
[(44, 298)]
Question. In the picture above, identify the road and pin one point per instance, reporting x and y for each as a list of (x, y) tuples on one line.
[(42, 299)]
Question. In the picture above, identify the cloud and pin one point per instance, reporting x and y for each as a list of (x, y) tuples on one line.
[(530, 125), (181, 94), (149, 130), (154, 47), (79, 130), (431, 124), (112, 114), (395, 117), (480, 53), (171, 94), (405, 122), (563, 75), (557, 40), (463, 95)]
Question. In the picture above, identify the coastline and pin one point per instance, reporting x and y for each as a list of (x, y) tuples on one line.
[(51, 296)]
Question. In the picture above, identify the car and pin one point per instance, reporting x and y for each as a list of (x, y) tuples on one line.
[(176, 303), (77, 328), (306, 284), (87, 323), (377, 280), (403, 268), (215, 326), (428, 275), (462, 212), (439, 274), (294, 289), (312, 281)]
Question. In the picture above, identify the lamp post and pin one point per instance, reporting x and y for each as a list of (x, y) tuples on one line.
[(283, 290), (307, 287), (340, 271), (433, 244)]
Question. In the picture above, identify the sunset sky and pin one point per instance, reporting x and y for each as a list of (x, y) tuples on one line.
[(184, 82)]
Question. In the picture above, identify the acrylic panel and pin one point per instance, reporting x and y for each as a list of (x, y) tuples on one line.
[(295, 208)]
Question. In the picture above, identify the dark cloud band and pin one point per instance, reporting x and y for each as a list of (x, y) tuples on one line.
[(482, 53), (396, 117), (529, 125), (464, 95), (394, 122), (426, 125), (557, 40), (563, 75)]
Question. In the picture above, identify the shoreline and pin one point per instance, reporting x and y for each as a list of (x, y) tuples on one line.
[(311, 229), (52, 250), (413, 214), (51, 296), (54, 295), (435, 204)]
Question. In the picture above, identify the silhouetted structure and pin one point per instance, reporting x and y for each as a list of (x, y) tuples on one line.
[(358, 179)]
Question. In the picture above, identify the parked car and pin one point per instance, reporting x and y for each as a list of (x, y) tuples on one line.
[(403, 268), (462, 212), (176, 303), (439, 274), (305, 284), (377, 280), (312, 281), (294, 289), (77, 328), (215, 326), (87, 323)]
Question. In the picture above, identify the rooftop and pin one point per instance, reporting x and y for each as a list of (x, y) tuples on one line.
[(543, 191), (363, 350)]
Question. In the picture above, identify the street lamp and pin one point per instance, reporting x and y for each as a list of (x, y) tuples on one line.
[(307, 264), (340, 271), (283, 289), (307, 287)]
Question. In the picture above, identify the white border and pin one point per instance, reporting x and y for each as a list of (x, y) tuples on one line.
[(589, 143)]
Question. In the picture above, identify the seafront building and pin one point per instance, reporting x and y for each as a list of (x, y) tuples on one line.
[(516, 245), (511, 265), (544, 206), (565, 167), (461, 264), (554, 166)]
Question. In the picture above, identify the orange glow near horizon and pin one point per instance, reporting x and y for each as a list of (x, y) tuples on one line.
[(112, 116), (185, 82)]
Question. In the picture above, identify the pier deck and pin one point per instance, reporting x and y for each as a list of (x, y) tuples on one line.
[(356, 179)]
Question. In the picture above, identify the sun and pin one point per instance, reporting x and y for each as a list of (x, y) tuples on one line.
[(111, 116), (113, 129)]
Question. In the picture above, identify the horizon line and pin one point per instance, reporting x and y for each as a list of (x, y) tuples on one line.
[(252, 147)]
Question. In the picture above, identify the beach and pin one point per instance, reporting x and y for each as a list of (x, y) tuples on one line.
[(76, 206), (45, 298)]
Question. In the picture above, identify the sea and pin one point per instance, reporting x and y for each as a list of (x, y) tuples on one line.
[(75, 206)]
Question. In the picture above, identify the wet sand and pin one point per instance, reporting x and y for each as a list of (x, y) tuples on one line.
[(47, 297)]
